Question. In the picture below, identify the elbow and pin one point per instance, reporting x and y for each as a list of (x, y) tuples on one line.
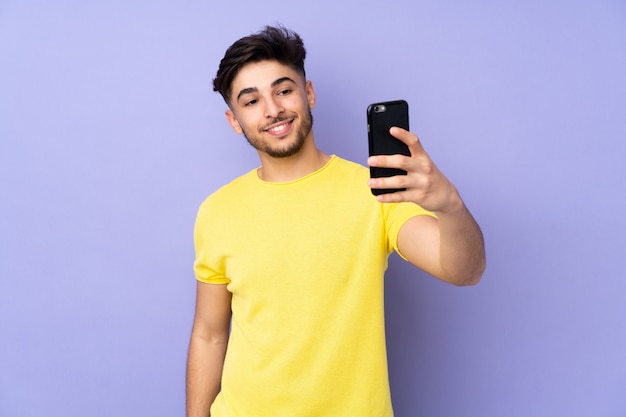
[(475, 277), (468, 280), (469, 276)]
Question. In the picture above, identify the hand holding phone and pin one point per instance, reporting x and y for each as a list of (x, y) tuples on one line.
[(380, 118)]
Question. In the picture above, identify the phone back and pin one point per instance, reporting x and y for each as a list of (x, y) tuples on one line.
[(380, 118)]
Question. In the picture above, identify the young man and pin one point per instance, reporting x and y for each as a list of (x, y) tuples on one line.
[(290, 257)]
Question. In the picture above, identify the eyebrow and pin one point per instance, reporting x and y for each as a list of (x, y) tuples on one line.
[(250, 90)]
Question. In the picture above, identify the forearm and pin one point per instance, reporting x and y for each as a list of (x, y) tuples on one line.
[(204, 373), (461, 246)]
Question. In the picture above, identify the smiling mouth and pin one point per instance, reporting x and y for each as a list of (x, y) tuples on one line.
[(280, 128)]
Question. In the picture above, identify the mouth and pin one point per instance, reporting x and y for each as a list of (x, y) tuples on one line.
[(280, 128)]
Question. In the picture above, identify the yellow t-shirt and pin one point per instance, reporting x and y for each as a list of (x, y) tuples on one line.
[(304, 261)]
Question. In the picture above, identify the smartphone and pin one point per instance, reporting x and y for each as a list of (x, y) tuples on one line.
[(380, 118)]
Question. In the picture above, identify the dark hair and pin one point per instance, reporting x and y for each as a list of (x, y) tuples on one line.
[(271, 43)]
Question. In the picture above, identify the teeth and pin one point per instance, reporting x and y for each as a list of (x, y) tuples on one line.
[(278, 128)]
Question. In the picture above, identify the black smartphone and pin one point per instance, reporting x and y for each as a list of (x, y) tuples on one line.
[(380, 118)]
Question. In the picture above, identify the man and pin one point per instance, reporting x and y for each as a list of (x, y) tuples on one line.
[(290, 257)]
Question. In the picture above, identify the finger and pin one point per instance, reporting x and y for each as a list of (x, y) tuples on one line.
[(389, 161), (396, 181), (409, 138), (397, 197)]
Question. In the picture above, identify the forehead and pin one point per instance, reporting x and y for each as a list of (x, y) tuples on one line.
[(261, 75)]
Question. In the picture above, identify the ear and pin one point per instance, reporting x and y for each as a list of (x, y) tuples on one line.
[(310, 94), (232, 120)]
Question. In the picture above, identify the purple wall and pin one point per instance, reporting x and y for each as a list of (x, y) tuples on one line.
[(110, 137)]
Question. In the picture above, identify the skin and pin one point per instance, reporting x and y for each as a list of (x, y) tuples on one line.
[(268, 95), (451, 247), (271, 105)]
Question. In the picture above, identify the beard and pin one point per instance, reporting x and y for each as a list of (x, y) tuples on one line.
[(287, 149)]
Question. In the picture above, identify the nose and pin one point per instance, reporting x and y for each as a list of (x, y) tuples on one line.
[(273, 108)]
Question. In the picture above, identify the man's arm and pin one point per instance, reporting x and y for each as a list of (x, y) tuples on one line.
[(207, 348), (450, 247)]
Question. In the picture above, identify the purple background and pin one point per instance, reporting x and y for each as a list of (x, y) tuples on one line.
[(111, 136)]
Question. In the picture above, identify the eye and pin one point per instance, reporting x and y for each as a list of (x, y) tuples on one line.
[(285, 91), (250, 103)]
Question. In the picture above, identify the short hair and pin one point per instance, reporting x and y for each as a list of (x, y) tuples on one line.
[(273, 43)]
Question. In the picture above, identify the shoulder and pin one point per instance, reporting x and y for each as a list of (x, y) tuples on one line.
[(349, 168), (228, 193), (347, 164)]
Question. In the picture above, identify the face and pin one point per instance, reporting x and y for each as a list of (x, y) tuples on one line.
[(271, 105)]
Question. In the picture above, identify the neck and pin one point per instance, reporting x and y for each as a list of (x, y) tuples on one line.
[(294, 167)]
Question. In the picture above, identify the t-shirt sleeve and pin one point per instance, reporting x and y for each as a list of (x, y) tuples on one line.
[(396, 215), (208, 266)]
